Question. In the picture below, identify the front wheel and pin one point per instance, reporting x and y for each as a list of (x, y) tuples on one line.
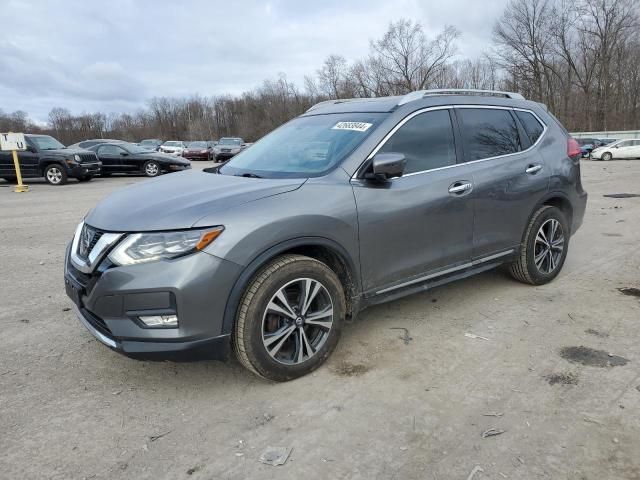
[(544, 247), (151, 168), (55, 174), (606, 156), (290, 318)]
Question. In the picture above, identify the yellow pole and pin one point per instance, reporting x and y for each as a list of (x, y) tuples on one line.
[(20, 187)]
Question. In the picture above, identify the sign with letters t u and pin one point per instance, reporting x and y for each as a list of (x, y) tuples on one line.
[(12, 141)]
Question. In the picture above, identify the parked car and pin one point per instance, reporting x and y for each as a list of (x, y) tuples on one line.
[(152, 144), (354, 203), (587, 145), (129, 158), (173, 147), (228, 147), (47, 157), (91, 143), (198, 151), (622, 149)]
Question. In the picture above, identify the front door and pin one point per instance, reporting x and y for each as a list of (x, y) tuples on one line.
[(423, 221), (111, 158)]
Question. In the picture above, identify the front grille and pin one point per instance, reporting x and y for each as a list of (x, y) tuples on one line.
[(88, 157), (226, 150)]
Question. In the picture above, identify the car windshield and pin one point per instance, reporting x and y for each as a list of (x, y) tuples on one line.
[(230, 141), (304, 147), (148, 142), (172, 144), (197, 145), (45, 142)]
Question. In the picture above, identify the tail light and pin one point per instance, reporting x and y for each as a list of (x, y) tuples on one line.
[(573, 147)]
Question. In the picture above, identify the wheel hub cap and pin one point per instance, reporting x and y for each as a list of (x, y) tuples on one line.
[(297, 321), (549, 246)]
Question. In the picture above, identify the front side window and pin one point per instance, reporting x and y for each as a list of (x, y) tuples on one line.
[(531, 125), (625, 143), (488, 132), (426, 141), (109, 150)]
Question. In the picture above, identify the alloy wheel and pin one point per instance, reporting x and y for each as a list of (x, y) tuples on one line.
[(549, 246), (297, 321), (151, 169), (54, 175)]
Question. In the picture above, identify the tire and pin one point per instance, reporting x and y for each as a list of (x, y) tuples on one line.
[(606, 156), (279, 357), (85, 178), (55, 174), (538, 264), (151, 168)]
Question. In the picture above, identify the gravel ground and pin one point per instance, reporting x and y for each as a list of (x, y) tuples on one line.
[(389, 403)]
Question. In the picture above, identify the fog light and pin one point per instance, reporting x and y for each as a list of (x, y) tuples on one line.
[(160, 320)]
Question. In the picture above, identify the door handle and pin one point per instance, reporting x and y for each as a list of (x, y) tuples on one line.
[(533, 169), (458, 188)]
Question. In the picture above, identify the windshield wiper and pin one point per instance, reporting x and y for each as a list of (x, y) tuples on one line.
[(247, 175)]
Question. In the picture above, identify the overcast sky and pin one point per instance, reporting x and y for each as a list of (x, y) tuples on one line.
[(90, 55)]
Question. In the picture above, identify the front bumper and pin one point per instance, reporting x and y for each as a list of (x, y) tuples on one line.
[(196, 156), (225, 155), (176, 168), (110, 302), (82, 169)]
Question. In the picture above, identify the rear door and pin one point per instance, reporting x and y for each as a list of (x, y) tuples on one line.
[(418, 223), (509, 174)]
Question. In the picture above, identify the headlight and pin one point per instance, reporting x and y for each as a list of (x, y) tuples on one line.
[(150, 247), (77, 158)]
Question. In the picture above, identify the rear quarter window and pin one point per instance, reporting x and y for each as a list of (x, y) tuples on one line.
[(531, 125)]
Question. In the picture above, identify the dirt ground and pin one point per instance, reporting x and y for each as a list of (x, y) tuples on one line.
[(390, 403)]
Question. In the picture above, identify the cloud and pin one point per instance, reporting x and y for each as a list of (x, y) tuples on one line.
[(113, 55)]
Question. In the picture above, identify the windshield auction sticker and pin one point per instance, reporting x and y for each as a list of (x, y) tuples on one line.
[(355, 126)]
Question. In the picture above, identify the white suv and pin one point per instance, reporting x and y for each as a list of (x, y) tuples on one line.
[(618, 150)]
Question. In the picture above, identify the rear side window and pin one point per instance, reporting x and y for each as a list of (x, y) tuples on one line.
[(426, 141), (488, 133), (531, 125)]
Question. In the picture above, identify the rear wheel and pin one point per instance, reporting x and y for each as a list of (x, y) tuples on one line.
[(544, 247), (55, 174), (151, 168), (606, 156), (290, 318)]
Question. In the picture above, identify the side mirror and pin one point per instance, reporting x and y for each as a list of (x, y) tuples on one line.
[(31, 149), (386, 166)]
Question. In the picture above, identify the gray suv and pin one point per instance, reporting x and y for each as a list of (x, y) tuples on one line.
[(354, 203)]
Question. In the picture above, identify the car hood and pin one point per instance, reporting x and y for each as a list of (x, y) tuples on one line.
[(67, 151), (179, 200), (161, 157)]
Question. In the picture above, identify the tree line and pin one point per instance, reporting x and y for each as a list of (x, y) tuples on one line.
[(581, 58)]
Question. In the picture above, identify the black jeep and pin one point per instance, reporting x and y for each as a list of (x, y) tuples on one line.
[(46, 157)]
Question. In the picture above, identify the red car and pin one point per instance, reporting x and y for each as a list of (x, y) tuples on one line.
[(198, 151)]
